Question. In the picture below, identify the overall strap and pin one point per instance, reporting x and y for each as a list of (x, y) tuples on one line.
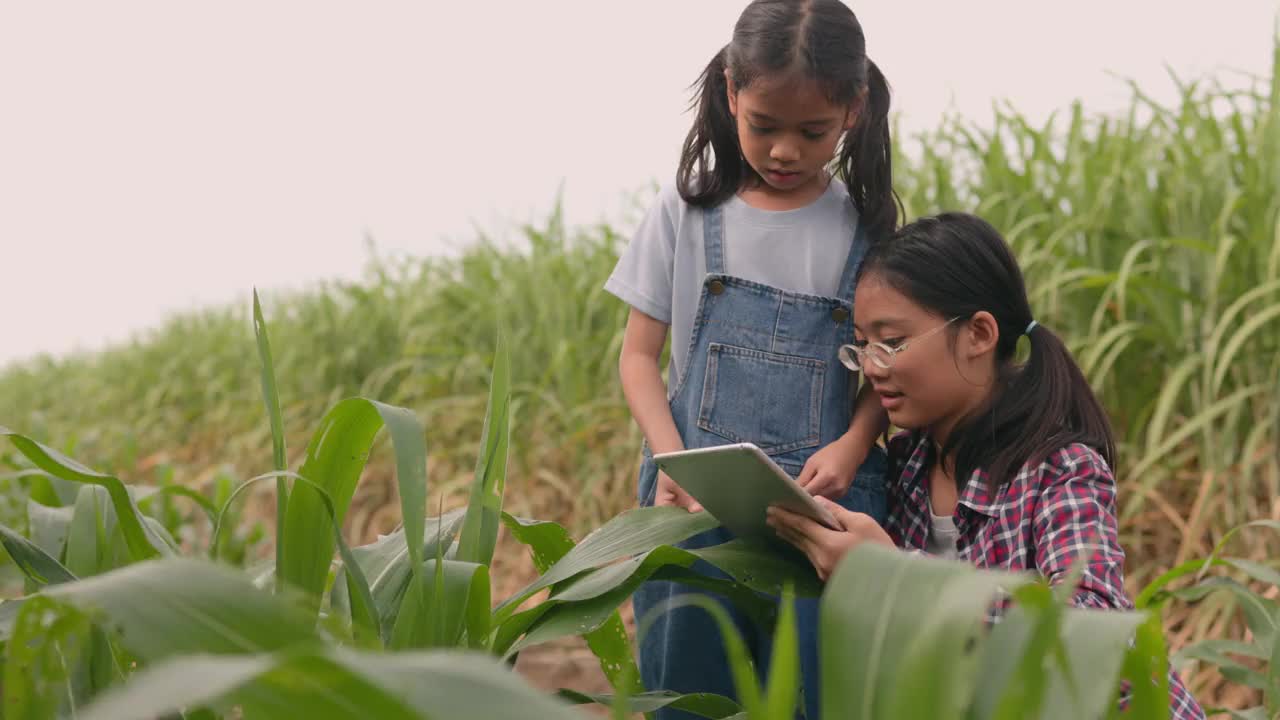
[(851, 264), (713, 239)]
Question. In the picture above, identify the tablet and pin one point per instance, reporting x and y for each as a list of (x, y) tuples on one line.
[(737, 484)]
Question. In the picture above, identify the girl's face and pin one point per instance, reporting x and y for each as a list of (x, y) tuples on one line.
[(943, 373), (788, 132)]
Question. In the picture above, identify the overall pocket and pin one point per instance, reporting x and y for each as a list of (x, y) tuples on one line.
[(771, 400)]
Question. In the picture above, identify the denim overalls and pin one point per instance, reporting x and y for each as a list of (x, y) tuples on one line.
[(761, 368)]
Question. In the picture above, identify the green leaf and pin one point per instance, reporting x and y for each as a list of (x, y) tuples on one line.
[(997, 693), (764, 568), (741, 667), (279, 453), (484, 511), (704, 705), (9, 610), (1262, 615), (553, 620), (859, 679), (386, 563), (96, 670), (48, 527), (631, 533), (174, 606), (611, 645), (335, 458), (455, 593), (548, 542), (205, 504), (46, 489), (1154, 594), (34, 562), (783, 690), (936, 675), (360, 604), (143, 542), (47, 641), (1245, 332), (1215, 651), (332, 684), (86, 537), (1145, 667), (408, 438), (585, 603), (1095, 643), (1256, 570), (1028, 683), (270, 396), (508, 633), (586, 598)]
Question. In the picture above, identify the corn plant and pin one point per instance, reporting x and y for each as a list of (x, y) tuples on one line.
[(1252, 660), (110, 593)]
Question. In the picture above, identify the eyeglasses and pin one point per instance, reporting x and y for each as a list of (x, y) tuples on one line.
[(853, 356)]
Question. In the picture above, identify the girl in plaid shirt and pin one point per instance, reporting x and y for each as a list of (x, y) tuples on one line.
[(1002, 464)]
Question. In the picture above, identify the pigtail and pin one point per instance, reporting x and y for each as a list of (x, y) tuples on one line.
[(866, 160), (1044, 404), (711, 165)]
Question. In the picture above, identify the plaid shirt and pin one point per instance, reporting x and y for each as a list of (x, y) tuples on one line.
[(1039, 521)]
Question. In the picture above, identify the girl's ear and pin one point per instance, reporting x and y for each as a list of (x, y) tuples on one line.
[(982, 334), (855, 110), (731, 91)]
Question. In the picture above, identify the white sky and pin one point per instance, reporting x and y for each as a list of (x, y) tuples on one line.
[(159, 155)]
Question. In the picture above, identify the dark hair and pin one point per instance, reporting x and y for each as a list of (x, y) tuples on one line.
[(824, 40), (957, 264)]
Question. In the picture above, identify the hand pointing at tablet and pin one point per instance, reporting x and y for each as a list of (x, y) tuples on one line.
[(830, 471)]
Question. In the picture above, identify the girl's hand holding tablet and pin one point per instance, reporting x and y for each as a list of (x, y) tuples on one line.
[(823, 546)]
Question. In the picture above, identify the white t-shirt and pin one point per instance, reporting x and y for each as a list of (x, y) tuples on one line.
[(943, 536), (662, 269)]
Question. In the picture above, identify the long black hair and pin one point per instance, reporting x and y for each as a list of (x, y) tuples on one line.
[(955, 265), (823, 39)]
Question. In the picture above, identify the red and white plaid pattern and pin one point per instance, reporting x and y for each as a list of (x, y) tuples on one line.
[(1041, 520)]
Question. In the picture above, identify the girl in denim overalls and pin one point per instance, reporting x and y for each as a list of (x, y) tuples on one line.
[(750, 260)]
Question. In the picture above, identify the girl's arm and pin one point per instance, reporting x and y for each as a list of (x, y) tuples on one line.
[(830, 471), (646, 395), (1075, 521)]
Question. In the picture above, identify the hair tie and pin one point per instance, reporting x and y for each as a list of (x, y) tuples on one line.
[(1030, 326)]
